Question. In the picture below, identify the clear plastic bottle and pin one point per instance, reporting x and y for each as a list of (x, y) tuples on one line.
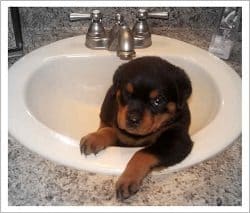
[(223, 39)]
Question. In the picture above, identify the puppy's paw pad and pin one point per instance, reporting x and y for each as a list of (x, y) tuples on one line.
[(125, 187), (91, 143)]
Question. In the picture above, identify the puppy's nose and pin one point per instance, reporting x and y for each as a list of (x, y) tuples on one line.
[(133, 119)]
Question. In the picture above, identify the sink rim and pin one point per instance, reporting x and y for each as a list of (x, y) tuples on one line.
[(39, 56)]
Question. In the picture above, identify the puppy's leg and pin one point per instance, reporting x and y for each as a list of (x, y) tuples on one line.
[(95, 142), (171, 148), (138, 167)]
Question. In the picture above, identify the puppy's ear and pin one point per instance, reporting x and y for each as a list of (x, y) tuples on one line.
[(117, 78), (116, 81), (183, 87)]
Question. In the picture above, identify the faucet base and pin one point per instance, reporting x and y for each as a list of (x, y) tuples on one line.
[(125, 55), (96, 43), (142, 42)]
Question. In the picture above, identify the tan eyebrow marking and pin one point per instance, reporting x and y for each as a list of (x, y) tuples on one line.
[(130, 88), (153, 94), (118, 93), (171, 106)]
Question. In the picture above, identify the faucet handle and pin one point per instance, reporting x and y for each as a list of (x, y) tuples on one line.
[(79, 16), (143, 14), (95, 15), (160, 15)]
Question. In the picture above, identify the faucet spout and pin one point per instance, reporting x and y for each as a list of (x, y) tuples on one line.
[(121, 39), (125, 49), (113, 34)]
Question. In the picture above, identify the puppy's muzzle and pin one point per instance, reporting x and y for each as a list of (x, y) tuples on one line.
[(133, 119)]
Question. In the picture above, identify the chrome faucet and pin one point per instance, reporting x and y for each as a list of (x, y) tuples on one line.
[(113, 34), (141, 30), (120, 38), (96, 37)]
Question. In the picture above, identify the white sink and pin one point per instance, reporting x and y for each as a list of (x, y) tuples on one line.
[(55, 93)]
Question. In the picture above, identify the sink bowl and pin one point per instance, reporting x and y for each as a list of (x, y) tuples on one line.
[(56, 91)]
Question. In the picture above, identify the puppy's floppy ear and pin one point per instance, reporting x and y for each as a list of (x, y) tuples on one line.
[(116, 81), (117, 78), (183, 87)]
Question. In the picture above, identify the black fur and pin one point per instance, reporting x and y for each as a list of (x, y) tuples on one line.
[(146, 74)]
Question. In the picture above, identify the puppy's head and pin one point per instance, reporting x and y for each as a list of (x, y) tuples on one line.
[(149, 91)]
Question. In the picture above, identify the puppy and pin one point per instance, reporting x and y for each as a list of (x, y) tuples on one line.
[(146, 106)]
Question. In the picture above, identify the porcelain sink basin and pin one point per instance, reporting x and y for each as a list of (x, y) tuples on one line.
[(55, 93)]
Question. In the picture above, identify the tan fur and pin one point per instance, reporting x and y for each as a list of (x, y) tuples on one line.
[(137, 168), (149, 123), (130, 88), (171, 106), (121, 116), (153, 94)]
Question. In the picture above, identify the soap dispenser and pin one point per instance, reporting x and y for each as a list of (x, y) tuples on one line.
[(226, 33)]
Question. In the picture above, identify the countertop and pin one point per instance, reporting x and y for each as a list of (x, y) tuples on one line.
[(33, 180)]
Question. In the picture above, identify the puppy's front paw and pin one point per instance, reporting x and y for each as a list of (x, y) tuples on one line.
[(91, 143), (127, 186), (97, 141)]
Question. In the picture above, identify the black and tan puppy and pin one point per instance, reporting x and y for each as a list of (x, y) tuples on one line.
[(146, 106)]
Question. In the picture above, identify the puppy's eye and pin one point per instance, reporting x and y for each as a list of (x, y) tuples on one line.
[(157, 101)]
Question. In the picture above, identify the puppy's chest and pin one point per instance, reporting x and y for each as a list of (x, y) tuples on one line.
[(133, 141)]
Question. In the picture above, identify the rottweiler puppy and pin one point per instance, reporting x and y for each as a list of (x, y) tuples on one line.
[(146, 106)]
